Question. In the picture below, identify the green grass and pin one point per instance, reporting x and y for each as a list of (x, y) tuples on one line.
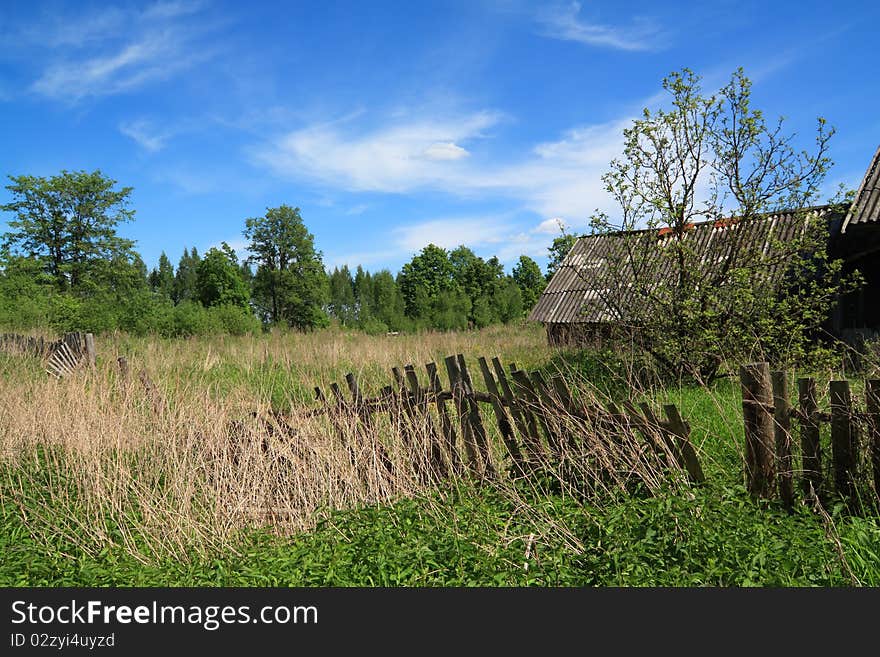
[(711, 536)]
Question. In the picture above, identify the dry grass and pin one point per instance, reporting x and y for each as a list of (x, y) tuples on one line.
[(102, 461)]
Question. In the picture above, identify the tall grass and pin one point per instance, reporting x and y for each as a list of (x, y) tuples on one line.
[(227, 445)]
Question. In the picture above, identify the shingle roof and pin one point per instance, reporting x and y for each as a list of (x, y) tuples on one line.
[(581, 289), (866, 206)]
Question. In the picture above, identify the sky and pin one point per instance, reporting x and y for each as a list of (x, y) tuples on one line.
[(392, 125)]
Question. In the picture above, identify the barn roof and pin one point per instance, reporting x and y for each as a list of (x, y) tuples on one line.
[(866, 206), (580, 290)]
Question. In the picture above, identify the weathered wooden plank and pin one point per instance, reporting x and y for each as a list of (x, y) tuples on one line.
[(843, 439), (435, 452), (528, 403), (445, 422), (650, 432), (811, 451), (666, 443), (458, 400), (782, 433), (476, 421), (504, 426), (757, 396), (90, 351), (510, 401), (681, 430), (551, 412)]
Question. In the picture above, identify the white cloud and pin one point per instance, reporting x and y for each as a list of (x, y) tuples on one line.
[(145, 134), (445, 151), (560, 178), (394, 158), (115, 51), (553, 226), (564, 23)]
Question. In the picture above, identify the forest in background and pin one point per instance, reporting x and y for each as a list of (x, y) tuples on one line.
[(63, 266)]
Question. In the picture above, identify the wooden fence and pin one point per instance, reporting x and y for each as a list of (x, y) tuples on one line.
[(540, 422), (771, 464), (63, 356)]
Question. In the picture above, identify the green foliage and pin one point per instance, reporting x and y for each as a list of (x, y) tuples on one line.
[(692, 308), (234, 320), (712, 536), (387, 303), (219, 281), (290, 285), (558, 250), (185, 279), (527, 276), (342, 302), (423, 279), (67, 223), (162, 278)]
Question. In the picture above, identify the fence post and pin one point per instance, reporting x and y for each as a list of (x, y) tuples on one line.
[(811, 451), (872, 393), (91, 354), (757, 394), (782, 429), (843, 439)]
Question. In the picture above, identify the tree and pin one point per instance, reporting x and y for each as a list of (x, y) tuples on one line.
[(481, 280), (342, 302), (67, 223), (219, 281), (530, 280), (162, 277), (423, 279), (715, 158), (388, 301), (290, 284), (185, 277), (558, 250)]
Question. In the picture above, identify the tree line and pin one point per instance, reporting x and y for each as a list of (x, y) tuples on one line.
[(63, 265)]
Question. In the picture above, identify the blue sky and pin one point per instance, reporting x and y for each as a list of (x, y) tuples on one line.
[(395, 124)]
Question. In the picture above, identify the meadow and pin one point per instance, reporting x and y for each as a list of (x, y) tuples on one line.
[(99, 488)]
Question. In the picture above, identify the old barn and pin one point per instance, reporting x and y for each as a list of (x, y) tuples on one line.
[(580, 304)]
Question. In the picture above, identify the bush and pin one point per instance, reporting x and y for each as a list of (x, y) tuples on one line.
[(234, 320)]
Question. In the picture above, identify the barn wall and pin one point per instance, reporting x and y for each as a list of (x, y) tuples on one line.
[(582, 334)]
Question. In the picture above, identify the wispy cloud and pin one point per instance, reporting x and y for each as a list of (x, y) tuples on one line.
[(560, 178), (398, 157), (355, 210), (145, 134), (445, 151), (114, 51), (565, 23)]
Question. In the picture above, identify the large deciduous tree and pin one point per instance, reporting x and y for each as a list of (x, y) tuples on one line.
[(219, 281), (290, 285), (67, 223)]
